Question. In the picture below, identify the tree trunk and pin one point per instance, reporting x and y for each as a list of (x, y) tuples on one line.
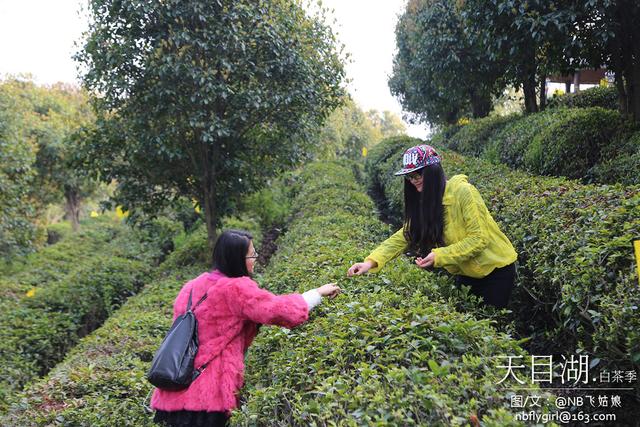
[(567, 87), (529, 88), (543, 92), (480, 104), (635, 83), (72, 207), (209, 183), (622, 94), (210, 214), (576, 81)]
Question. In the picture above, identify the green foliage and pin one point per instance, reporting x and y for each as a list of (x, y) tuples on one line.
[(440, 71), (271, 205), (53, 120), (573, 145), (604, 97), (474, 137), (102, 381), (559, 141), (205, 99), (621, 166), (389, 351), (62, 293), (17, 155), (578, 286), (346, 132), (510, 144)]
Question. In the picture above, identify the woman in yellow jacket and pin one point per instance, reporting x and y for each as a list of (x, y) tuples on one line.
[(446, 224)]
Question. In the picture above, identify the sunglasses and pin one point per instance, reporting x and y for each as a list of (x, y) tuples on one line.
[(254, 256), (413, 176)]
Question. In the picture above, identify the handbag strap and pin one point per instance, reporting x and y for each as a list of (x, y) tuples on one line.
[(205, 364), (204, 297)]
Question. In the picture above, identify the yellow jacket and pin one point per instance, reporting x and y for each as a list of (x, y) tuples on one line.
[(475, 246)]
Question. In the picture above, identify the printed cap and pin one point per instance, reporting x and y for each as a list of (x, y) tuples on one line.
[(418, 157)]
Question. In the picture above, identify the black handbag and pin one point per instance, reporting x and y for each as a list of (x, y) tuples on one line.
[(172, 366)]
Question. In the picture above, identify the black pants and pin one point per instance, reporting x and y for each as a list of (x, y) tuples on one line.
[(495, 288), (191, 419)]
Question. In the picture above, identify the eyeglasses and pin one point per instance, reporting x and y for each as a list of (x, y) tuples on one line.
[(413, 176), (254, 256)]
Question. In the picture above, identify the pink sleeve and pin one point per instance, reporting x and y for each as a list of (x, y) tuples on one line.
[(248, 301)]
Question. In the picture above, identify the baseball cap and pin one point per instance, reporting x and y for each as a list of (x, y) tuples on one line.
[(418, 157)]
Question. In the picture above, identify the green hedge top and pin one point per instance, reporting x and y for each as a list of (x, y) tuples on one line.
[(604, 97), (575, 252), (389, 351)]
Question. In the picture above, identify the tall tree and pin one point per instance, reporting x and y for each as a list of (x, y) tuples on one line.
[(387, 122), (18, 212), (607, 33), (528, 38), (441, 71), (346, 132), (204, 98)]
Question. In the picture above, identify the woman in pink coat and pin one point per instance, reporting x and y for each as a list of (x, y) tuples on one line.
[(228, 321)]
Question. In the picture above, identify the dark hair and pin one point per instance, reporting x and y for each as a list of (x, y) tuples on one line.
[(230, 251), (423, 211)]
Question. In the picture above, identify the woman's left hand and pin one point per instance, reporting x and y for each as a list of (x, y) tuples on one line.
[(426, 262)]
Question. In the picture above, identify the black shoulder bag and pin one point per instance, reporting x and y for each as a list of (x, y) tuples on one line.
[(172, 366)]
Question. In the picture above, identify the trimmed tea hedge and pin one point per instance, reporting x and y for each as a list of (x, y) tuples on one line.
[(604, 97), (102, 381), (389, 351), (556, 142), (578, 285), (67, 290)]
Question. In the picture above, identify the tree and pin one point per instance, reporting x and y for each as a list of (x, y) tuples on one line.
[(346, 132), (65, 120), (441, 71), (607, 33), (388, 123), (204, 98), (527, 38), (17, 155)]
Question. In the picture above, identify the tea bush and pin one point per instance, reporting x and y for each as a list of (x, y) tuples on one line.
[(64, 291), (604, 97), (389, 351), (568, 142), (474, 137), (571, 146), (578, 285), (101, 381)]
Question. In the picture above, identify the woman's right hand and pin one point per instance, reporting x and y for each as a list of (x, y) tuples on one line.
[(330, 290), (360, 268)]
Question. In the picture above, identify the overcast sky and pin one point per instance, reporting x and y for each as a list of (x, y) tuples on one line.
[(37, 37)]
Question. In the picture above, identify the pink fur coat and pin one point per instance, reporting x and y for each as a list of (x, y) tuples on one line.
[(227, 324)]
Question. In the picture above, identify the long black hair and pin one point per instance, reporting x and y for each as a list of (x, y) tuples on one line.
[(230, 252), (424, 212)]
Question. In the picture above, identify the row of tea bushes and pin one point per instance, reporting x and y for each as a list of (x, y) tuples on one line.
[(388, 351), (567, 142), (605, 97), (101, 381), (578, 285), (57, 260), (66, 290)]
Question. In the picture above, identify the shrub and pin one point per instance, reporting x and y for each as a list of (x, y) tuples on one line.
[(43, 326), (578, 285), (572, 146), (510, 144), (473, 138), (619, 166), (388, 352), (604, 97), (102, 380), (392, 352)]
